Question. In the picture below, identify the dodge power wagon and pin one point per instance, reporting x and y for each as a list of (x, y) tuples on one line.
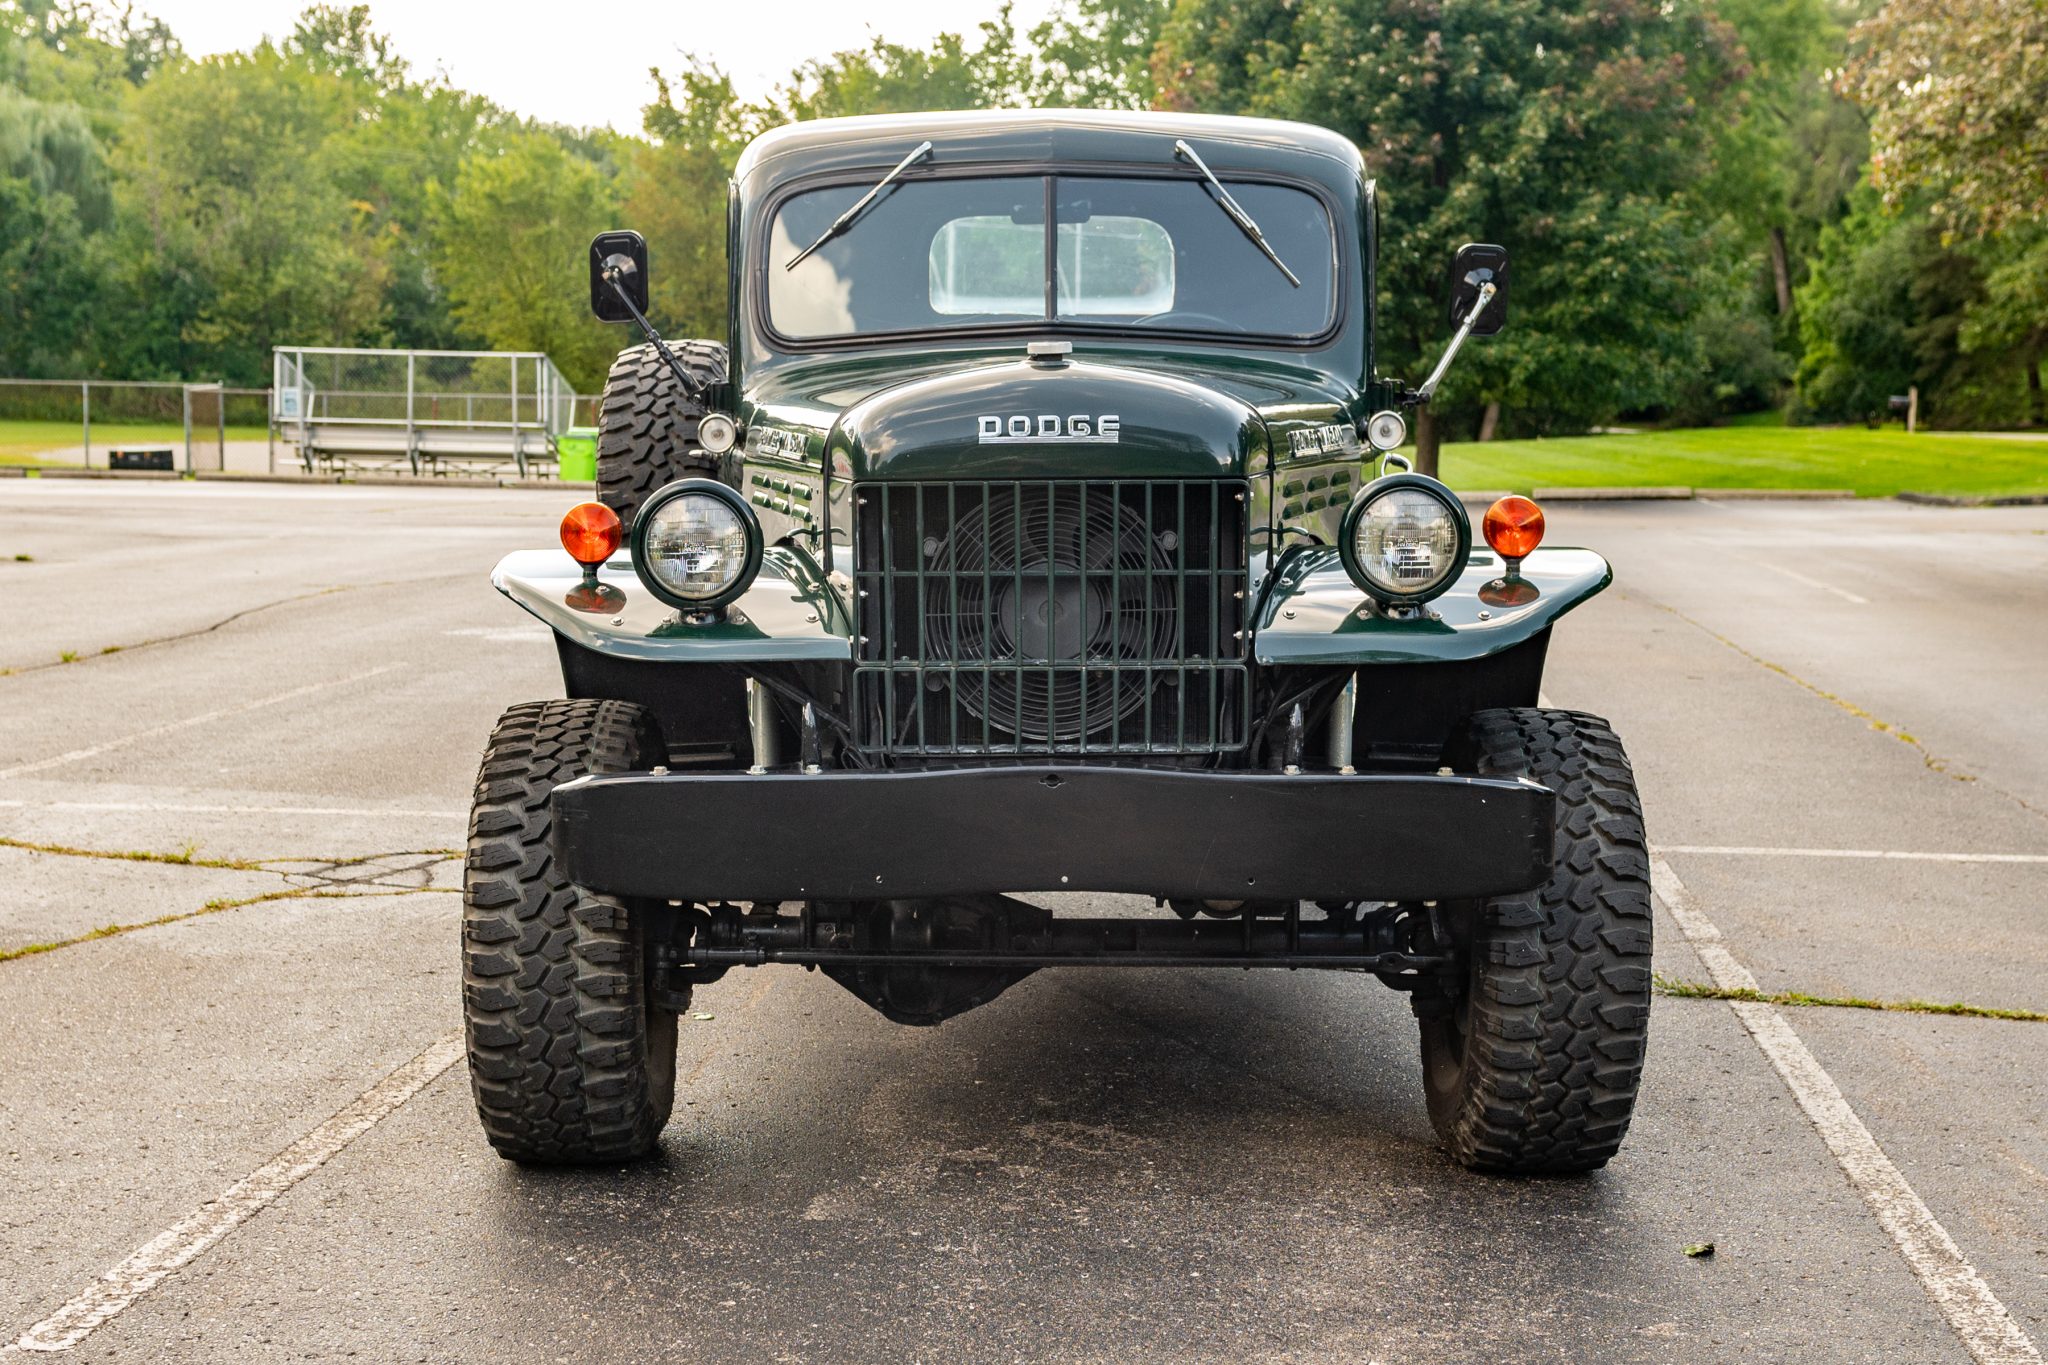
[(1038, 527)]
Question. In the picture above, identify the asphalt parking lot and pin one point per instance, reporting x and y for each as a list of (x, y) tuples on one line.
[(275, 699)]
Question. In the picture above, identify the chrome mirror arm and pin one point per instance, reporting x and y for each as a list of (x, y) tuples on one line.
[(1436, 376)]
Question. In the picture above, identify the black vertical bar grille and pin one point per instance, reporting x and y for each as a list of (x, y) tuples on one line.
[(1075, 617)]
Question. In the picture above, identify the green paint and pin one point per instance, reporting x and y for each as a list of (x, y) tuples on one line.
[(1310, 612), (787, 614)]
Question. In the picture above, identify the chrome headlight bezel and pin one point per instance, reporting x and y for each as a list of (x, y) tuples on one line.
[(1347, 538), (643, 523)]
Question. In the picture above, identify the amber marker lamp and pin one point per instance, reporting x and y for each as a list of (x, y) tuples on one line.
[(591, 533), (1513, 526)]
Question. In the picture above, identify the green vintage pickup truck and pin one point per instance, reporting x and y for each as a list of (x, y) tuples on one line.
[(1039, 527)]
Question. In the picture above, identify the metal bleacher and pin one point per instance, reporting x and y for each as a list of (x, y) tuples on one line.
[(423, 412)]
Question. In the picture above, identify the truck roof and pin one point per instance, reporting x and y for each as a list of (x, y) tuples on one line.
[(1029, 137)]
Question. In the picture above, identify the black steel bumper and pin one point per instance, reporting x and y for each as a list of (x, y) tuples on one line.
[(1209, 836)]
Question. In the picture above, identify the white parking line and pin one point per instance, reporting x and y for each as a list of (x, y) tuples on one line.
[(1986, 1328), (1747, 851), (185, 1239), (368, 812), (204, 717)]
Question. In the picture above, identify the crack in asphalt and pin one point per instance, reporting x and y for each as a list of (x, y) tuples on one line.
[(1935, 762), (215, 907), (196, 632), (1681, 989), (402, 872), (71, 657)]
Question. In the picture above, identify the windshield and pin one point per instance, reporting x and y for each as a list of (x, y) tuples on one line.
[(1148, 253)]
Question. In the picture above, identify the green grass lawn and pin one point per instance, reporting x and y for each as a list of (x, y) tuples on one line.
[(1872, 463), (56, 443)]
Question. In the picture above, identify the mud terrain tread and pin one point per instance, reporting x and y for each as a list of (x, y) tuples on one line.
[(647, 428), (565, 1062), (1561, 975)]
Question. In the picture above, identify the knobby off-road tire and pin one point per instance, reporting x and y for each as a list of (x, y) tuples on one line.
[(647, 427), (567, 1060), (1533, 1069)]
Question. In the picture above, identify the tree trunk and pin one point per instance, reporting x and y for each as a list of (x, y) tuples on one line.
[(1781, 271), (1425, 441), (2037, 405), (1490, 422)]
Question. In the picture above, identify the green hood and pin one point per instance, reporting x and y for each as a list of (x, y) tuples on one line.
[(1031, 419)]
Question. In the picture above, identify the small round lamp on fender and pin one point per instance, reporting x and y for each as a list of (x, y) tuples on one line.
[(1513, 527), (591, 533)]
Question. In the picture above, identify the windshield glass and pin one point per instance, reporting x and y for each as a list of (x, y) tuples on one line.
[(1154, 253)]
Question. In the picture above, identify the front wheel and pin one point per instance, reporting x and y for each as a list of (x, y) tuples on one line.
[(1531, 1060), (569, 1060)]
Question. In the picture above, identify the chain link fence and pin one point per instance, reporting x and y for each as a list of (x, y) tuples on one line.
[(105, 423)]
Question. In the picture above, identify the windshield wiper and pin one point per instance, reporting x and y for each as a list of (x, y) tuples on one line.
[(848, 218), (1236, 211)]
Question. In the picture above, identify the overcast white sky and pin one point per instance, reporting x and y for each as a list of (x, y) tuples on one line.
[(585, 62)]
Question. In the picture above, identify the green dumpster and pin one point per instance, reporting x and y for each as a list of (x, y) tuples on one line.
[(576, 455)]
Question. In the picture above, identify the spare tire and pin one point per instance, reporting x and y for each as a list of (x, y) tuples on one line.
[(647, 428)]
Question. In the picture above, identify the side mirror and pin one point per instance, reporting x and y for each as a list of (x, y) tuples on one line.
[(619, 257), (1477, 264)]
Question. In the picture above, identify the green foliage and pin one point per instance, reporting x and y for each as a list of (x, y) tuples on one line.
[(1568, 134), (510, 244), (53, 196), (236, 235), (675, 192), (1958, 96), (1097, 54), (1889, 305)]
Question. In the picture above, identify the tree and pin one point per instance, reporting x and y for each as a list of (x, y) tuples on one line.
[(2012, 319), (1889, 303), (889, 78), (403, 145), (510, 239), (235, 236), (1570, 134), (1097, 54), (675, 192), (54, 201), (1958, 96)]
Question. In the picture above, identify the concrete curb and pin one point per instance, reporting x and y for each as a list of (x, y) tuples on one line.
[(1774, 494), (1964, 500), (66, 472), (295, 480), (1656, 494)]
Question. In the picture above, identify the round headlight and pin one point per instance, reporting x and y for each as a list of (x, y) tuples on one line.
[(696, 544), (1405, 538)]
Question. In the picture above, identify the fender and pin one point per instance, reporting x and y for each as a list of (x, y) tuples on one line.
[(789, 613), (1310, 612)]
